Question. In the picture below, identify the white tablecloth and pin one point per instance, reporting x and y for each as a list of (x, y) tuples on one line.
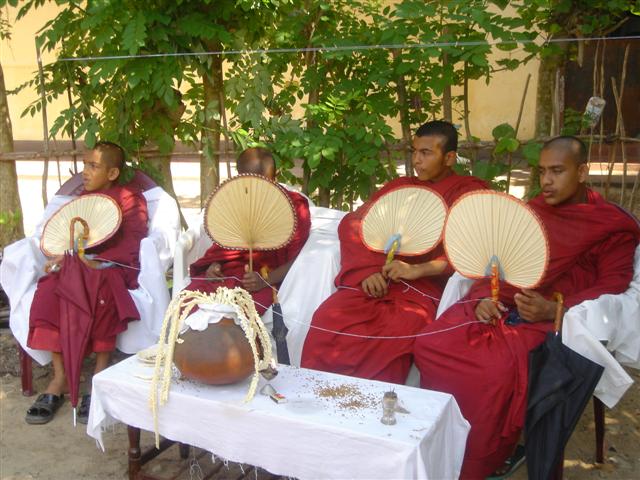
[(316, 434)]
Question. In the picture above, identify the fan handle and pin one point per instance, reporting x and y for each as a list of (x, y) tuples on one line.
[(84, 238), (557, 324)]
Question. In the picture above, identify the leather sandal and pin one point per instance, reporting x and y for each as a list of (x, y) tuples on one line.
[(510, 465), (83, 411), (44, 408)]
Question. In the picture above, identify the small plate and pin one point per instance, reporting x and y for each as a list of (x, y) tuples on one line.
[(148, 355)]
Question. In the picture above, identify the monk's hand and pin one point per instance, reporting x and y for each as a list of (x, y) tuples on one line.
[(214, 270), (397, 270), (53, 264), (533, 307), (375, 285), (488, 311), (91, 263), (252, 281)]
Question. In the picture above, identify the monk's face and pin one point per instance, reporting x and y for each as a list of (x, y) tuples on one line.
[(429, 159), (562, 179), (97, 174)]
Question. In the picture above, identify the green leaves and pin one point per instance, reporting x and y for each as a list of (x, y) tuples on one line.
[(134, 34)]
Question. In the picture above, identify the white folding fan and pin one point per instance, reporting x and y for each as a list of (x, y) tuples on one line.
[(494, 234), (250, 212), (405, 221), (99, 215)]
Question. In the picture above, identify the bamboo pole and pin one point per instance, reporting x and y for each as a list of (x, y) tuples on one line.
[(618, 101), (45, 126), (510, 157)]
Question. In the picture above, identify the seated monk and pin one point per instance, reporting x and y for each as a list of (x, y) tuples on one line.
[(373, 298), (114, 307), (230, 268), (485, 365)]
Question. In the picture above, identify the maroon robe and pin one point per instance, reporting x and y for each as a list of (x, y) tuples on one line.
[(233, 262), (485, 367), (113, 306), (401, 312)]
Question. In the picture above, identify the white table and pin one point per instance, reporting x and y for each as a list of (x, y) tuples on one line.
[(314, 435)]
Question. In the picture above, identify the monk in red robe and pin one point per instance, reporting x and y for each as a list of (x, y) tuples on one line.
[(394, 300), (485, 365), (230, 268), (109, 282)]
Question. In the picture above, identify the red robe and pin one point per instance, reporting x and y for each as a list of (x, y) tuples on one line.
[(402, 312), (233, 262), (113, 307), (486, 367)]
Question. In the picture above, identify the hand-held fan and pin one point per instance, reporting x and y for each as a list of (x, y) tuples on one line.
[(250, 212), (494, 234), (99, 215), (404, 221)]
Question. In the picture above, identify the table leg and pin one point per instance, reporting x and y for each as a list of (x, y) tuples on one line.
[(184, 450), (134, 452)]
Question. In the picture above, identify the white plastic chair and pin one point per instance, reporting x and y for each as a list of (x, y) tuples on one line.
[(23, 264)]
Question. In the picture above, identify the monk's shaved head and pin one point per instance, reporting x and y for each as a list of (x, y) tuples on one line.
[(111, 153), (257, 160), (571, 146)]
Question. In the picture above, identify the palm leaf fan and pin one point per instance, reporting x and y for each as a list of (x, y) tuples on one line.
[(99, 216), (404, 221), (494, 234), (250, 212)]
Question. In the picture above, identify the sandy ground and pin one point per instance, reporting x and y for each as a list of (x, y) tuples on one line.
[(58, 451)]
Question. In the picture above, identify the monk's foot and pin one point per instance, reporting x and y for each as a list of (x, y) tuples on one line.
[(510, 465), (57, 386)]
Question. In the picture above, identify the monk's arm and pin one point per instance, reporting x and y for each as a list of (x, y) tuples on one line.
[(398, 270), (276, 276), (615, 269)]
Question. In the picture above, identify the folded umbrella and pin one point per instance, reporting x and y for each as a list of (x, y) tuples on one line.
[(561, 382), (279, 332), (77, 291)]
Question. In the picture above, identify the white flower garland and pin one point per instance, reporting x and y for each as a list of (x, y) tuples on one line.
[(178, 310)]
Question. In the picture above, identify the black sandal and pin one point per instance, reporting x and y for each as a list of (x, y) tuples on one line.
[(83, 411), (44, 408), (510, 465)]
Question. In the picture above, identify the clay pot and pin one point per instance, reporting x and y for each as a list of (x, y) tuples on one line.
[(218, 355)]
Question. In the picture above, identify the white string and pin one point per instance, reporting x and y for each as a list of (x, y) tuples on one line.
[(335, 332), (262, 51)]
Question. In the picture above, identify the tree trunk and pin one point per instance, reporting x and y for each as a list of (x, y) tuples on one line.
[(405, 122), (162, 164), (549, 65), (11, 228), (210, 158)]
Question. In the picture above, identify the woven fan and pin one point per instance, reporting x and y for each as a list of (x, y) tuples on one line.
[(494, 234), (98, 215), (405, 221), (250, 212)]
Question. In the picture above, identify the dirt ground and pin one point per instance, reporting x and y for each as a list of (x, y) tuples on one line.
[(60, 451)]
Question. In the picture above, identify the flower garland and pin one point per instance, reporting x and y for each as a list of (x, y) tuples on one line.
[(178, 310)]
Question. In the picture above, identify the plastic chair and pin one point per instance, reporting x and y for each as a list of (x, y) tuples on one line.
[(23, 264)]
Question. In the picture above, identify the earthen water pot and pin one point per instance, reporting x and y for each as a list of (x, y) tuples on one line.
[(218, 355)]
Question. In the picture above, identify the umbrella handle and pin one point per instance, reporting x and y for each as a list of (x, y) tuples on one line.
[(557, 324), (84, 238), (264, 271)]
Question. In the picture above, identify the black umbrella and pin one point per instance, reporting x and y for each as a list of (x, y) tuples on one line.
[(279, 332), (561, 382)]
